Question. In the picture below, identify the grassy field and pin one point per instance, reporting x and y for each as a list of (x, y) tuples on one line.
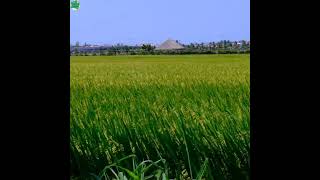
[(183, 109)]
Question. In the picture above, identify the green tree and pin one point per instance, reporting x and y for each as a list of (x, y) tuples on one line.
[(147, 47), (76, 51)]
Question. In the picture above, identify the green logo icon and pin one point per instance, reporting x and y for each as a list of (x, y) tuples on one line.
[(75, 5)]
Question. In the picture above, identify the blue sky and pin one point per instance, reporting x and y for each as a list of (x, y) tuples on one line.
[(154, 21)]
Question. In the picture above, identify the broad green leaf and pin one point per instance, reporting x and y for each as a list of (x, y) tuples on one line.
[(203, 169)]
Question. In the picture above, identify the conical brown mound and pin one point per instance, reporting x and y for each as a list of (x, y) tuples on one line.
[(169, 44)]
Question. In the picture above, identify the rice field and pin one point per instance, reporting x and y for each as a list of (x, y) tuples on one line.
[(183, 109)]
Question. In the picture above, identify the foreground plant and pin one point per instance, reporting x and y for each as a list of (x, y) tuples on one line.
[(145, 170)]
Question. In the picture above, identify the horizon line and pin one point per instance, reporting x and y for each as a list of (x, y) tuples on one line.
[(86, 42)]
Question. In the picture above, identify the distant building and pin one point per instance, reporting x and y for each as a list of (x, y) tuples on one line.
[(170, 45)]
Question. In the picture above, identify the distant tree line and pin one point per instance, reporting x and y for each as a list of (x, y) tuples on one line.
[(221, 47)]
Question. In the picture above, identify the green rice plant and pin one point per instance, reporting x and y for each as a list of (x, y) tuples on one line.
[(185, 109)]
